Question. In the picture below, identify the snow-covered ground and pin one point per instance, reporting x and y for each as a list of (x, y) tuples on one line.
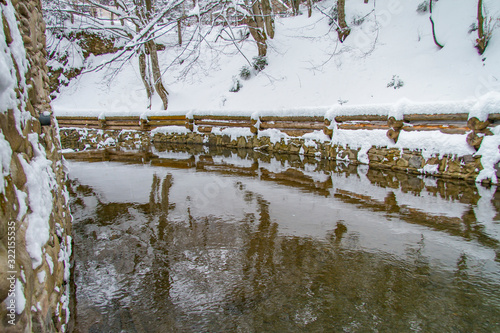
[(388, 65), (309, 67)]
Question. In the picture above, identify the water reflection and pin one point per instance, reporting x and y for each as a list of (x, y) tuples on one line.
[(197, 240)]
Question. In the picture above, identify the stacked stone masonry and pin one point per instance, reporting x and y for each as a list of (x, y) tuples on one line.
[(464, 167), (43, 287)]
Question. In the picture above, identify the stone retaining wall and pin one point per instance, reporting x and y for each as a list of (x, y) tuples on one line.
[(463, 167), (35, 220)]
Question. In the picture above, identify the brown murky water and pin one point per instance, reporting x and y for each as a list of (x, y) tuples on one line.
[(195, 240)]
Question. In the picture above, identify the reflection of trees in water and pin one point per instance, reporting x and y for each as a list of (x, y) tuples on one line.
[(325, 285), (277, 283), (259, 250)]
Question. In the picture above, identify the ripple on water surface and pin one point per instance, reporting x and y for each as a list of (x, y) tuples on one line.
[(246, 242)]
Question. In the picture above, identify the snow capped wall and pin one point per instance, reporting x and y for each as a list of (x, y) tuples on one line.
[(35, 221)]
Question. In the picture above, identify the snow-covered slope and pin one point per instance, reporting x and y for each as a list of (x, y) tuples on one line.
[(308, 67)]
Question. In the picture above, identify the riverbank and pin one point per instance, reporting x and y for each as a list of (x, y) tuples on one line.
[(318, 146)]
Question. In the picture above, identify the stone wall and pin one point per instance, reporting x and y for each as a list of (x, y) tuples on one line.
[(90, 43), (463, 167), (35, 220)]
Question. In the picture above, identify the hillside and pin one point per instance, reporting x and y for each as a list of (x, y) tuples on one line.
[(309, 67)]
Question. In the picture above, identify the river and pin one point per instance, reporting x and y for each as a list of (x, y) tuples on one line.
[(203, 240)]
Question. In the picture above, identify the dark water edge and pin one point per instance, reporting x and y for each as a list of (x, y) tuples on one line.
[(194, 239)]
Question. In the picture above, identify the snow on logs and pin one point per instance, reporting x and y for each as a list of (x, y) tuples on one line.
[(448, 123)]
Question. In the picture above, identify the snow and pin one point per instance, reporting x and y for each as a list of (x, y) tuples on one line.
[(41, 276), (20, 298), (490, 156), (311, 73), (430, 169), (49, 261), (233, 132), (170, 130), (489, 103), (5, 157), (40, 182), (303, 75), (39, 174), (274, 135), (435, 143), (12, 56)]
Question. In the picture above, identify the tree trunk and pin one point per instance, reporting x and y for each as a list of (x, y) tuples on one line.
[(256, 25), (343, 30), (155, 68), (179, 32), (309, 8), (145, 77), (481, 38), (268, 18), (295, 7)]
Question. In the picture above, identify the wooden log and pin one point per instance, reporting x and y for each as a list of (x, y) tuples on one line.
[(292, 125), (436, 117), (477, 125), (79, 122), (158, 123), (494, 117), (327, 122), (393, 135), (190, 126), (227, 118), (79, 126), (393, 123), (453, 131), (223, 124), (442, 128), (75, 118), (296, 132), (124, 118), (293, 118), (179, 117), (474, 140), (368, 117), (328, 131), (122, 122), (358, 126), (254, 130)]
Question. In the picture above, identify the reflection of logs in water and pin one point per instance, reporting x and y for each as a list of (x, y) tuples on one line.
[(162, 264), (293, 175), (464, 226)]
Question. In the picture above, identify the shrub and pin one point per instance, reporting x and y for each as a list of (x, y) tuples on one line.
[(396, 82), (259, 63), (245, 73), (423, 7), (236, 86), (357, 20)]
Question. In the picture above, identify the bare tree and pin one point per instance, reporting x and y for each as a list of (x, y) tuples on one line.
[(433, 27), (261, 23), (485, 26), (141, 23), (342, 29)]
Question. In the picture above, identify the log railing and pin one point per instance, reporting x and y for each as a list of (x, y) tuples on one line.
[(453, 123)]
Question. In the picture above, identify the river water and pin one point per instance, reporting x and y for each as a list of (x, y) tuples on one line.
[(200, 240)]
